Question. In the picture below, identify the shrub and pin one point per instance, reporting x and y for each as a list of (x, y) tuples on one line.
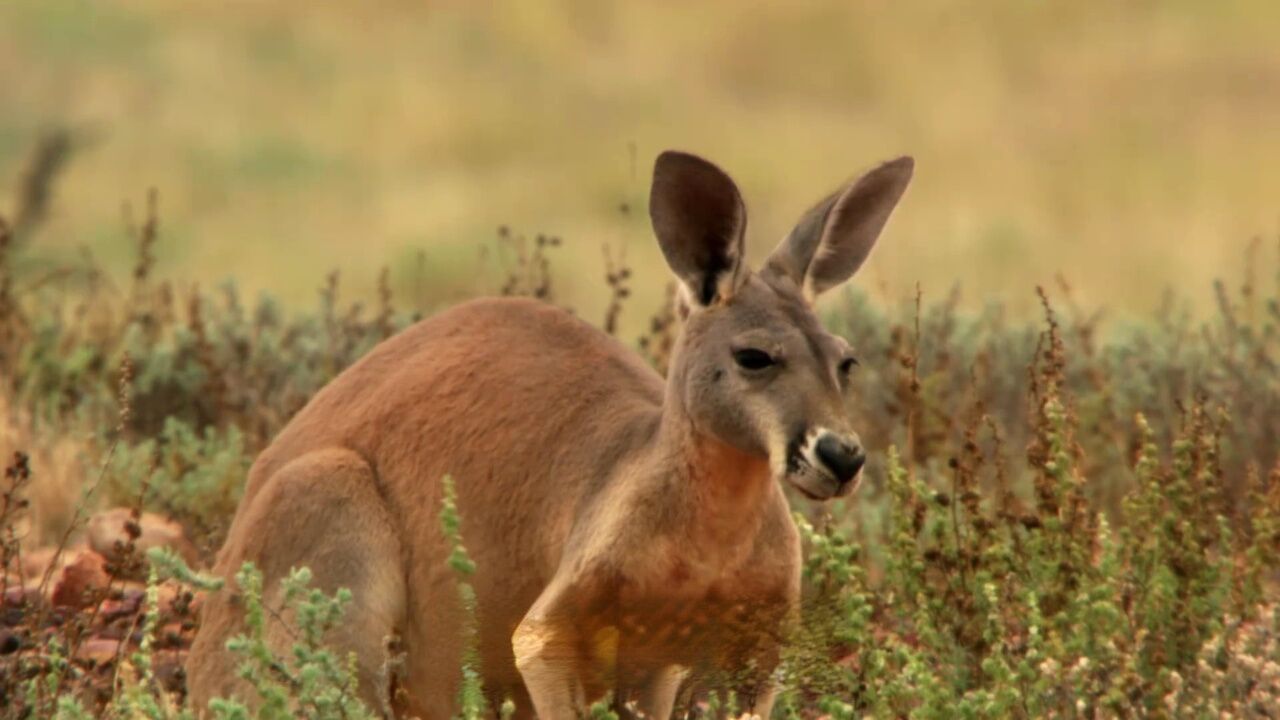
[(1059, 518)]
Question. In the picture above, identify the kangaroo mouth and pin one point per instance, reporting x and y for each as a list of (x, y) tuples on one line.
[(811, 479), (812, 482)]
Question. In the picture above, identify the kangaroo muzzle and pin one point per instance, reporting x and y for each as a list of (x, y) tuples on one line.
[(840, 456), (826, 464)]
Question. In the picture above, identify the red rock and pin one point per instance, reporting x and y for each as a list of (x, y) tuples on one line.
[(169, 669), (132, 591), (168, 594), (111, 609), (85, 573), (172, 636), (23, 594), (111, 526), (136, 593), (98, 650), (197, 600)]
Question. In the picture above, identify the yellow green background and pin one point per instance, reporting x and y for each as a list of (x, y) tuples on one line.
[(1131, 146)]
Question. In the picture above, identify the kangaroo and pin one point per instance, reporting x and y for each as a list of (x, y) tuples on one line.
[(631, 533)]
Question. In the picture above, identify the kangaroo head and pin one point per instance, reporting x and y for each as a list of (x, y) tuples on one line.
[(753, 367)]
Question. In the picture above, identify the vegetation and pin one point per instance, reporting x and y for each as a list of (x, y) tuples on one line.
[(1059, 520), (292, 137), (1065, 514)]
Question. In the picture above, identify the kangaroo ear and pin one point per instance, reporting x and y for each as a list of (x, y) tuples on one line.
[(699, 219), (832, 240)]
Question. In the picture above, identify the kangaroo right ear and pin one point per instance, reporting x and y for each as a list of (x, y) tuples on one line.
[(700, 221)]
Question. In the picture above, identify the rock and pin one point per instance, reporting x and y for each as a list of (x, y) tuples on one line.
[(169, 669), (197, 600), (110, 527), (10, 641), (167, 594), (100, 651), (132, 591), (172, 636), (82, 575), (19, 595), (110, 610)]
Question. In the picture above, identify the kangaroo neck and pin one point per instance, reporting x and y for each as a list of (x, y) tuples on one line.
[(725, 488)]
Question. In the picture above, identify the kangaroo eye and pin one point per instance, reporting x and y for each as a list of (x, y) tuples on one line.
[(848, 364), (753, 359)]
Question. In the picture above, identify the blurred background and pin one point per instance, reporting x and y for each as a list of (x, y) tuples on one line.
[(1131, 146)]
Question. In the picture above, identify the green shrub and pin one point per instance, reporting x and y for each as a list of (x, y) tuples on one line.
[(1059, 519), (313, 682), (471, 698), (193, 477)]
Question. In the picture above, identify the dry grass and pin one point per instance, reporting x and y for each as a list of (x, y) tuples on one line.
[(61, 456), (1128, 146)]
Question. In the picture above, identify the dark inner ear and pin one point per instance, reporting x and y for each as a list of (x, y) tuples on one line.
[(699, 218), (717, 263)]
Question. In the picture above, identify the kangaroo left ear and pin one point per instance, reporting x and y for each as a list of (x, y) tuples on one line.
[(832, 240)]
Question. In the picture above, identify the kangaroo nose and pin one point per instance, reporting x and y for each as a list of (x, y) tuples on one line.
[(843, 458)]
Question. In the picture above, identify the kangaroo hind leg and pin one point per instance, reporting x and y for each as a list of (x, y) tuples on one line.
[(322, 511)]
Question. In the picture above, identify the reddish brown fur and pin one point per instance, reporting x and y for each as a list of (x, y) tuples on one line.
[(620, 540)]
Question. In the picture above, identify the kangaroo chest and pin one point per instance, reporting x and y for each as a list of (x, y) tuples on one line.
[(683, 613)]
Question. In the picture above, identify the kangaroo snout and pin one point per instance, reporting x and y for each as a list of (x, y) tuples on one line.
[(826, 464), (841, 456)]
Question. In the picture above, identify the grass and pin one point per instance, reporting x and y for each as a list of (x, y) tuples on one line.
[(1062, 517)]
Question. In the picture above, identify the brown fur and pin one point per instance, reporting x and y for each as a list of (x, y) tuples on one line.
[(627, 532)]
